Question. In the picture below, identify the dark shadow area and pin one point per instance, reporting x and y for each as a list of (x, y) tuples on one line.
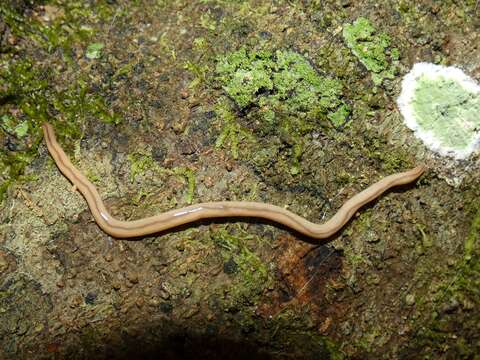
[(181, 346), (168, 341)]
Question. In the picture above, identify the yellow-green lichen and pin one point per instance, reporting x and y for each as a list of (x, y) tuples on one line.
[(372, 49), (278, 82), (282, 94)]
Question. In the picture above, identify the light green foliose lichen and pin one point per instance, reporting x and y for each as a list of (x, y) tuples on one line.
[(371, 49), (94, 51), (282, 94), (281, 82), (14, 126), (447, 110)]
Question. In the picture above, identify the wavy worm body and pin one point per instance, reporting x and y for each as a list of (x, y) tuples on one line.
[(221, 209)]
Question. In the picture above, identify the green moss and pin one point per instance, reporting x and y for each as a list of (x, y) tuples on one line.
[(139, 163), (189, 176), (250, 274), (462, 286), (371, 48), (67, 28), (207, 21), (199, 71), (31, 93), (472, 241), (94, 51), (27, 91), (13, 126), (391, 161)]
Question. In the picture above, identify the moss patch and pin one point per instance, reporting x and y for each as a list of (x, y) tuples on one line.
[(32, 93), (141, 162), (455, 302), (251, 275)]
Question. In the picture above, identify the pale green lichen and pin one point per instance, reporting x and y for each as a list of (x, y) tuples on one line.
[(441, 104), (371, 48), (446, 109)]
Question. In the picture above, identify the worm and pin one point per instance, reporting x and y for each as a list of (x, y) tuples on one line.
[(220, 209)]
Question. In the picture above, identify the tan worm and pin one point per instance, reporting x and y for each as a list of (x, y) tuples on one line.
[(221, 209)]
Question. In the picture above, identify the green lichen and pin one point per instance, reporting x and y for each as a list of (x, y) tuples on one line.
[(282, 90), (372, 49), (448, 111), (94, 51), (391, 161), (281, 82)]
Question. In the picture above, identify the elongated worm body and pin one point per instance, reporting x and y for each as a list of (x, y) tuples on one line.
[(221, 209)]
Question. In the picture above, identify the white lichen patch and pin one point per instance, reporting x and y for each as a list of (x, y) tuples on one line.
[(442, 106)]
